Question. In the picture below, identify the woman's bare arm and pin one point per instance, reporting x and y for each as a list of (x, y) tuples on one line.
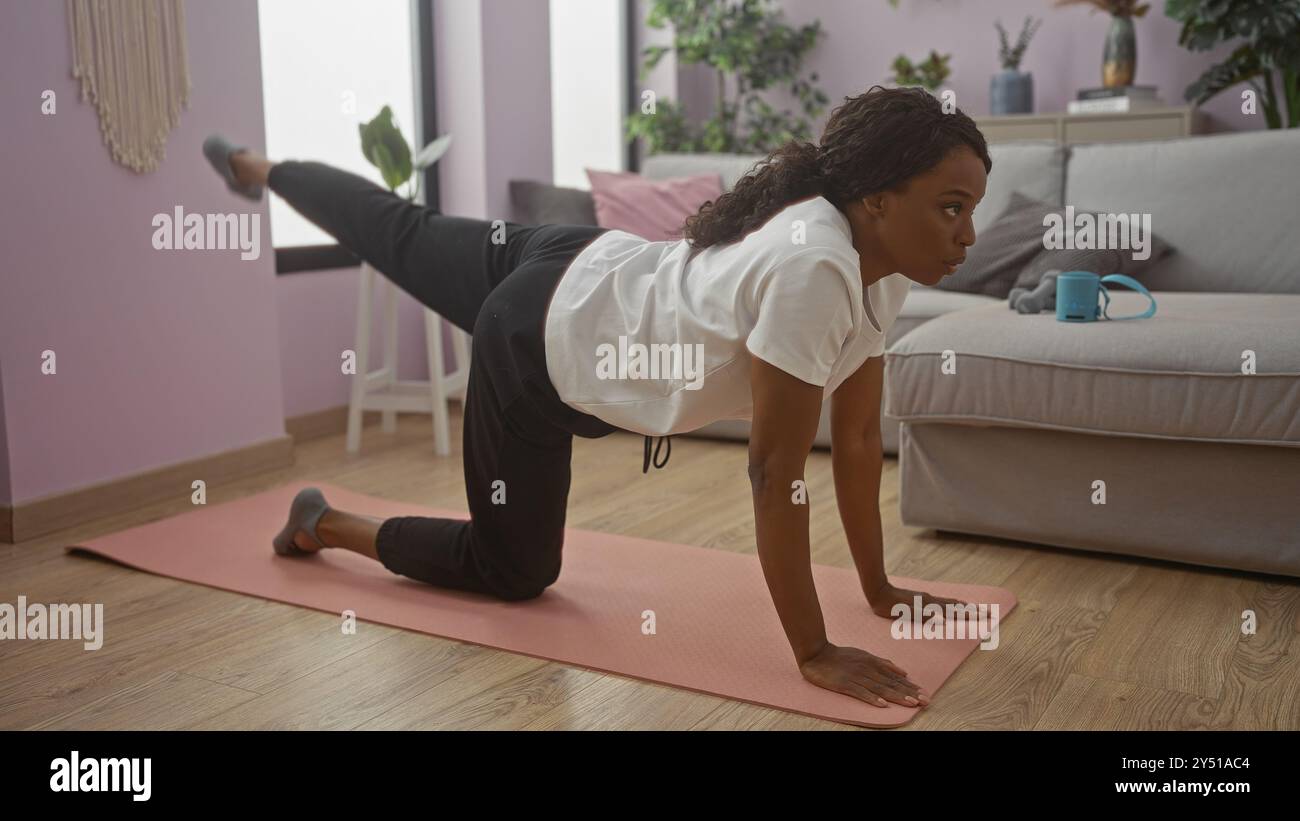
[(857, 459), (786, 413)]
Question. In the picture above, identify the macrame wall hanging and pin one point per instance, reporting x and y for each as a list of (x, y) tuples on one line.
[(131, 58)]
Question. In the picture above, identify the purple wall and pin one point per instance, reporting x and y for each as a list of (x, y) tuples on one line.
[(517, 86), (163, 356), (168, 356), (862, 38), (5, 491)]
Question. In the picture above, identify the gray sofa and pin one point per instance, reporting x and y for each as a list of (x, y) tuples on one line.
[(1143, 437)]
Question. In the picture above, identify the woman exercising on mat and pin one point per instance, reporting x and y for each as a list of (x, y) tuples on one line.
[(786, 285)]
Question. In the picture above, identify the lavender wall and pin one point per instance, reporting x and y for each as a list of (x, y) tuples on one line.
[(5, 492), (517, 94), (163, 356), (168, 356), (863, 37)]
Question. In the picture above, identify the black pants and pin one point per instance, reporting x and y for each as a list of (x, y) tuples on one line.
[(493, 282)]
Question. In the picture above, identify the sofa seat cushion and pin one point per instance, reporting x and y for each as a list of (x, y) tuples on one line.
[(925, 303), (1177, 375)]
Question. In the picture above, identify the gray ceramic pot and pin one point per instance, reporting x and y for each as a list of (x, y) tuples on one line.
[(1011, 92)]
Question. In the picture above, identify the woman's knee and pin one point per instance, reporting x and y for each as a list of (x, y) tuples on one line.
[(523, 591), (525, 586)]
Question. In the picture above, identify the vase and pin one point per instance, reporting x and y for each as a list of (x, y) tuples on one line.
[(1119, 60), (1011, 92)]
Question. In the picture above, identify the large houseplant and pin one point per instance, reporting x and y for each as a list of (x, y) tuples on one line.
[(1271, 29), (744, 39)]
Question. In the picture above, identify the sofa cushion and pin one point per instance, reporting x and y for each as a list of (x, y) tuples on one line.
[(1177, 375), (924, 303), (1226, 202), (1102, 261), (653, 209), (1012, 253), (1035, 168), (540, 203)]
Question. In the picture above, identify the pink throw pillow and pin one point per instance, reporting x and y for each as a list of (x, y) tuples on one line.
[(653, 209)]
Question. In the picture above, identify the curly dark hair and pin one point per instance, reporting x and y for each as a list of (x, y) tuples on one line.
[(873, 142)]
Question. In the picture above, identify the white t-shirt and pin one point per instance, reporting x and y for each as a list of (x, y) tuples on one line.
[(643, 338)]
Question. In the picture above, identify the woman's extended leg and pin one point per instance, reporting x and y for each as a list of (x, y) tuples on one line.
[(449, 264)]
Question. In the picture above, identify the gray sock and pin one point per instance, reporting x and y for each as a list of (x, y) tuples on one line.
[(304, 514), (218, 150)]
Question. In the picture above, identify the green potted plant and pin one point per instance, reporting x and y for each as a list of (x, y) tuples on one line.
[(1119, 59), (386, 149), (744, 39), (1012, 91), (1271, 29), (929, 74)]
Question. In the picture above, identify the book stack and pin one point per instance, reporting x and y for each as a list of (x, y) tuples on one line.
[(1117, 99)]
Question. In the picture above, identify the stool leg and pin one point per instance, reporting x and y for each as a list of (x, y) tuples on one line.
[(389, 418), (362, 349), (437, 382), (460, 349)]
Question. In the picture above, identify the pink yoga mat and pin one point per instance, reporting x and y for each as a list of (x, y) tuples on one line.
[(715, 628)]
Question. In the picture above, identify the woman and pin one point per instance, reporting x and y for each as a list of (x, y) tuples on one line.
[(785, 286)]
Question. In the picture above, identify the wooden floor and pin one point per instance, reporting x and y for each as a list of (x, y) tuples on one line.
[(1096, 641)]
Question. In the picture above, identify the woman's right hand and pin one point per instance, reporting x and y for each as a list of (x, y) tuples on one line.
[(859, 674)]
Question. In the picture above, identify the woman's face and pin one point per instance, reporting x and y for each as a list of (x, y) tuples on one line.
[(923, 231)]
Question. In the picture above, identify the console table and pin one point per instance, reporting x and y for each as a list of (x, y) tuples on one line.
[(1143, 124)]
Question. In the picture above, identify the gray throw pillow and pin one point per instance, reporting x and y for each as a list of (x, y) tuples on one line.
[(1011, 253), (1100, 261), (540, 203)]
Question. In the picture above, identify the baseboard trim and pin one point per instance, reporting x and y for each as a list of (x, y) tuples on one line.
[(334, 421), (58, 511), (328, 422), (40, 517)]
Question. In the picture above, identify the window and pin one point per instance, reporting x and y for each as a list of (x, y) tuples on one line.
[(588, 88), (327, 66)]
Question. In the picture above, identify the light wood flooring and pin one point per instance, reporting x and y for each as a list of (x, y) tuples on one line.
[(1097, 641)]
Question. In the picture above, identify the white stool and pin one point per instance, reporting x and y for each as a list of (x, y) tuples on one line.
[(382, 390)]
